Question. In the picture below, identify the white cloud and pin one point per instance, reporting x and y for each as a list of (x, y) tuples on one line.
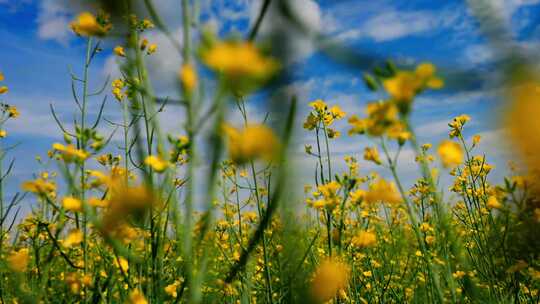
[(389, 24), (53, 21)]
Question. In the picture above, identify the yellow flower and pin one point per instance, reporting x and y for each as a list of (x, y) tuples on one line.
[(364, 239), (372, 154), (493, 203), (253, 142), (72, 204), (13, 112), (3, 90), (39, 186), (476, 139), (2, 76), (3, 133), (119, 51), (122, 264), (96, 202), (86, 24), (330, 277), (18, 260), (156, 163), (137, 297), (403, 86), (152, 48), (188, 77), (522, 116), (318, 105), (171, 289), (383, 191), (75, 237), (425, 70), (239, 59), (451, 153), (69, 153)]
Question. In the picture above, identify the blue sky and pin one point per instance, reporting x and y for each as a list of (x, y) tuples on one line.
[(38, 49)]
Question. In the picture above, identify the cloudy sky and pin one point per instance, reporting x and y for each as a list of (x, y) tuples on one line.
[(38, 50)]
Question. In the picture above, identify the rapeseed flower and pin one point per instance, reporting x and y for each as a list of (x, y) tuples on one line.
[(451, 153), (253, 142), (330, 277)]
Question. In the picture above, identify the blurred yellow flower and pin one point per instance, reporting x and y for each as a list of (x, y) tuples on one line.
[(137, 297), (71, 203), (253, 142), (69, 153), (18, 260), (119, 51), (188, 77), (122, 264), (3, 133), (372, 154), (451, 153), (493, 203), (364, 239), (3, 90), (74, 237), (39, 186), (86, 24), (239, 59), (156, 163), (152, 48), (383, 191), (330, 277)]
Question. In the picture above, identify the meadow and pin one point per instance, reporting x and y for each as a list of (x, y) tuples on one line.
[(211, 213)]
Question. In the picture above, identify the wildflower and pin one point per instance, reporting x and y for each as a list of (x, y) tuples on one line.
[(18, 260), (122, 264), (476, 139), (69, 153), (152, 48), (522, 116), (458, 274), (3, 133), (13, 112), (156, 163), (239, 59), (2, 76), (357, 196), (330, 277), (72, 204), (96, 202), (457, 124), (383, 191), (75, 237), (147, 24), (86, 24), (171, 289), (40, 186), (254, 141), (188, 77), (372, 154), (119, 51), (329, 191), (3, 90), (117, 86), (137, 297), (144, 44), (451, 153), (493, 203), (403, 86), (364, 239)]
